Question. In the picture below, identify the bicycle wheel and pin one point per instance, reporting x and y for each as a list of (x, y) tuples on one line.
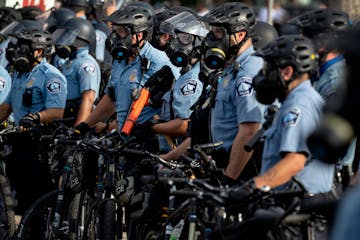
[(36, 222), (7, 214)]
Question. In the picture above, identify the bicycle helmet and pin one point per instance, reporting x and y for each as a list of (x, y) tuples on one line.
[(39, 39), (315, 21), (264, 33), (138, 19), (294, 50), (234, 16)]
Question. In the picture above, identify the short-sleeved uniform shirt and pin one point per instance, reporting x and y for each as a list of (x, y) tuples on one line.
[(235, 100), (299, 115), (48, 89)]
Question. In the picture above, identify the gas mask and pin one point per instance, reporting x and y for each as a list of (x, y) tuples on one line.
[(119, 46), (21, 55), (215, 50), (269, 85), (65, 51), (180, 52), (208, 75)]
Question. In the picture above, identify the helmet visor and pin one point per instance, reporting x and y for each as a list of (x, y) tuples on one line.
[(11, 28), (64, 37), (184, 22)]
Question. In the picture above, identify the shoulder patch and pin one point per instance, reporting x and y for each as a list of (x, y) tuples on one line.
[(53, 86), (291, 117), (244, 86), (89, 68), (2, 83), (188, 87)]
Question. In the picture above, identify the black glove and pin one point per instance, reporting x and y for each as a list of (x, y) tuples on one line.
[(241, 194), (159, 83), (226, 181), (30, 120), (82, 128)]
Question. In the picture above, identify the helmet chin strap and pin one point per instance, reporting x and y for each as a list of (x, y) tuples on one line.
[(235, 48)]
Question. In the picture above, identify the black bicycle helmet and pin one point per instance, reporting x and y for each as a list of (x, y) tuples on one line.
[(136, 18), (144, 5), (234, 16), (294, 50), (315, 21), (39, 39), (264, 33)]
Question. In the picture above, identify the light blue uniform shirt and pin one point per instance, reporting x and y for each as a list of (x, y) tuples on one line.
[(235, 100), (5, 84), (129, 77), (187, 90), (82, 73), (332, 74), (299, 115), (100, 45), (48, 87), (3, 46)]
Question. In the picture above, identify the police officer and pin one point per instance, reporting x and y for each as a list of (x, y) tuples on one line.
[(324, 27), (37, 95), (135, 60), (184, 52), (290, 61), (80, 69), (236, 116), (13, 27)]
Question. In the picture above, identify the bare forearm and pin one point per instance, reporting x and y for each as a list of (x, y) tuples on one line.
[(282, 172), (86, 105), (177, 152), (238, 156), (175, 127), (102, 112), (51, 114)]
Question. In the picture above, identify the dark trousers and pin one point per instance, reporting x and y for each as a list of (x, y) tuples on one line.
[(28, 174)]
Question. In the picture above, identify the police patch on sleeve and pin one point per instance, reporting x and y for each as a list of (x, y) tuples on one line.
[(291, 117), (188, 87), (2, 83), (53, 86), (244, 86), (89, 69)]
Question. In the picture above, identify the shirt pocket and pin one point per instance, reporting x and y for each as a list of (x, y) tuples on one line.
[(223, 105)]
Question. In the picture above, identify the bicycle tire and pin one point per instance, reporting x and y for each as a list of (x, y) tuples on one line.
[(35, 223), (108, 220), (7, 209)]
